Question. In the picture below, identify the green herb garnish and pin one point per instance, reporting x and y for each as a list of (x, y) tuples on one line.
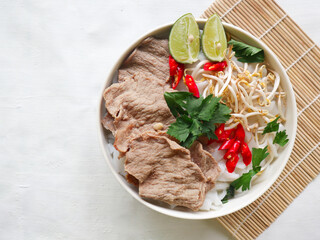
[(271, 126), (247, 53), (281, 138), (195, 117), (243, 182), (229, 195)]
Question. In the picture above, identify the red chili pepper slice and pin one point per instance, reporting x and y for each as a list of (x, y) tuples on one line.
[(215, 66), (178, 76), (176, 71), (232, 162), (192, 86), (240, 133), (246, 154), (234, 149), (228, 155), (222, 134), (220, 130), (173, 66), (227, 144)]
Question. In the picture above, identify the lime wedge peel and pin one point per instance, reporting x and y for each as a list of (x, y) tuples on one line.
[(214, 41), (184, 39)]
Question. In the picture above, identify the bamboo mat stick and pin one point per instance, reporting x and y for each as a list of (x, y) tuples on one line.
[(301, 57)]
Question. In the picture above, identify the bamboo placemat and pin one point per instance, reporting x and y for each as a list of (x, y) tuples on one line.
[(301, 58)]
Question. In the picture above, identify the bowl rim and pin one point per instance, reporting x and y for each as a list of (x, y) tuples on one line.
[(191, 215)]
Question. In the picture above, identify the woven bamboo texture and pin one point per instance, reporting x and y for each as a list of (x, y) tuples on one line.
[(301, 58)]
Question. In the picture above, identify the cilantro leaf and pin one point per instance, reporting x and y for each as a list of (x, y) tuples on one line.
[(222, 114), (229, 195), (194, 116), (195, 128), (181, 128), (189, 141), (193, 105), (271, 126), (258, 155), (244, 181), (281, 138), (175, 102), (247, 53), (209, 106), (208, 129)]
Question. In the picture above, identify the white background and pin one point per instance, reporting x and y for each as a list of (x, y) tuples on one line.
[(54, 182)]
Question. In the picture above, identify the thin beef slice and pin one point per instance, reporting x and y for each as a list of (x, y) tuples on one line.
[(149, 58), (136, 105), (165, 171), (207, 164)]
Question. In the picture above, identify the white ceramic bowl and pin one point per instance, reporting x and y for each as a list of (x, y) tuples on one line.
[(276, 167)]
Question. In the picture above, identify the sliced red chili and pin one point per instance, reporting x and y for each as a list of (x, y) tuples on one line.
[(178, 76), (225, 135), (246, 154), (226, 144), (192, 86), (173, 66), (232, 162), (240, 133), (176, 71), (215, 66), (220, 130), (235, 147), (228, 155), (222, 134)]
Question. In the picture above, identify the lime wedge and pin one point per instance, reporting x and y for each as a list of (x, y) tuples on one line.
[(214, 41), (184, 39)]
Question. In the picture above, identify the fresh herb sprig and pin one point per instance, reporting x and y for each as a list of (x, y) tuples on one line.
[(246, 53), (229, 194), (272, 126), (281, 138), (195, 117), (243, 182)]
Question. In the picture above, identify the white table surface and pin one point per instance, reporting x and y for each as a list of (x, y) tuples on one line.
[(55, 183)]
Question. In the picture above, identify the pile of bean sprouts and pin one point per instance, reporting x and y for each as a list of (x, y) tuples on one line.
[(254, 94)]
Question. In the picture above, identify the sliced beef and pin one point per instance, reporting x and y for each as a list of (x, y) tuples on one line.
[(135, 106), (150, 58), (107, 122), (207, 164), (165, 171)]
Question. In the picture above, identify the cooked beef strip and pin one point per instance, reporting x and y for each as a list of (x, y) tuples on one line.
[(207, 164), (150, 58), (107, 122), (165, 171), (136, 105)]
